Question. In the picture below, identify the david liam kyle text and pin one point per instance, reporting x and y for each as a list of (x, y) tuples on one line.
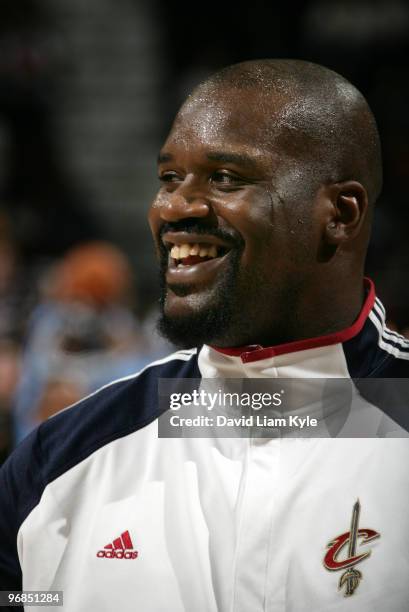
[(254, 420)]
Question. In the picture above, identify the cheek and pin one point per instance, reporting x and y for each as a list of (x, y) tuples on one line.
[(278, 240), (252, 215), (254, 218)]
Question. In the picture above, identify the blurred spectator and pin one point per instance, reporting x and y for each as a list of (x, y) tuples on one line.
[(17, 289), (82, 334), (16, 299), (9, 374)]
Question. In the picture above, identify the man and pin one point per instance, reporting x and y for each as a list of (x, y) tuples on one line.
[(268, 180)]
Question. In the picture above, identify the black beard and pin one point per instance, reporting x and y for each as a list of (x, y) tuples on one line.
[(209, 324)]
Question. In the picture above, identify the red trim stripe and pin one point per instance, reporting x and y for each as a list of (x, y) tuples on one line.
[(256, 352)]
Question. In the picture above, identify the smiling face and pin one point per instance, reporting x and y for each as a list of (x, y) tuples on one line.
[(232, 224)]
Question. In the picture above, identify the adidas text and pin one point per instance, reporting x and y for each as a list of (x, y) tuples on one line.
[(117, 554)]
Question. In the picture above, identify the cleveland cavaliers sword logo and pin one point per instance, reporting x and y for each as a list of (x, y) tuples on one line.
[(351, 578)]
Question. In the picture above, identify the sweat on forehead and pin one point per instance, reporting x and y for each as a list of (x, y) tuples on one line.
[(302, 109)]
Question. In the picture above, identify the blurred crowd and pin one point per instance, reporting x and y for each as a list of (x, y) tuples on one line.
[(70, 316), (66, 332), (77, 303)]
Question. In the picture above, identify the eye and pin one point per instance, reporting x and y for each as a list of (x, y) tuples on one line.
[(169, 177), (225, 178)]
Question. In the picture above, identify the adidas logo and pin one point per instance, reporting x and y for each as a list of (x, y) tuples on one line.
[(121, 548)]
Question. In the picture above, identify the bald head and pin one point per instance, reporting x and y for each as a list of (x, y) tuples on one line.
[(310, 113)]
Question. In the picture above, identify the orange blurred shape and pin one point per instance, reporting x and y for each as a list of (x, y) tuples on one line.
[(10, 365), (96, 273)]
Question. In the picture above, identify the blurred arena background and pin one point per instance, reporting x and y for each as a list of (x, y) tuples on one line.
[(87, 93)]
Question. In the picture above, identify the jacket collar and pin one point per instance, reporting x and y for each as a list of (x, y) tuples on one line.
[(252, 353)]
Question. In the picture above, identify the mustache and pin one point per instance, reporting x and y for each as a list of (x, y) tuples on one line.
[(192, 226)]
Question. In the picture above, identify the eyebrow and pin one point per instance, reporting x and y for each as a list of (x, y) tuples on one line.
[(222, 156), (233, 158)]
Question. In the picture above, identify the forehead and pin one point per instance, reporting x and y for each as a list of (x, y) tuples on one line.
[(227, 120)]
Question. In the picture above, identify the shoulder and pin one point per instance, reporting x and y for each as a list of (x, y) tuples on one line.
[(378, 360), (393, 348), (377, 351), (117, 409), (71, 436)]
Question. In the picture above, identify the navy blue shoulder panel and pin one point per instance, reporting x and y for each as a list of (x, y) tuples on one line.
[(68, 438), (366, 358), (115, 411), (378, 362), (20, 481)]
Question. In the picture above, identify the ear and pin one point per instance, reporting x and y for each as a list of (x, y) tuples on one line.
[(348, 206)]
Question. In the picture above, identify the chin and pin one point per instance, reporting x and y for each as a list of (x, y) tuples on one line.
[(190, 318), (180, 302), (180, 331), (194, 320)]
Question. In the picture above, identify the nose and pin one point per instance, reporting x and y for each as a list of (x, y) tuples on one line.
[(183, 203)]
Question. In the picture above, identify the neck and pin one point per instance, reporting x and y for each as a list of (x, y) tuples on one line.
[(329, 312), (330, 308)]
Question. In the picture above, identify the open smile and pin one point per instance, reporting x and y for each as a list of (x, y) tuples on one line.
[(194, 258)]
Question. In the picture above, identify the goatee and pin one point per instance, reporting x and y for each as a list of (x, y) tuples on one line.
[(209, 322)]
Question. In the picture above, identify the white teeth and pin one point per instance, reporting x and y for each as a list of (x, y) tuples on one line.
[(174, 253), (184, 251)]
